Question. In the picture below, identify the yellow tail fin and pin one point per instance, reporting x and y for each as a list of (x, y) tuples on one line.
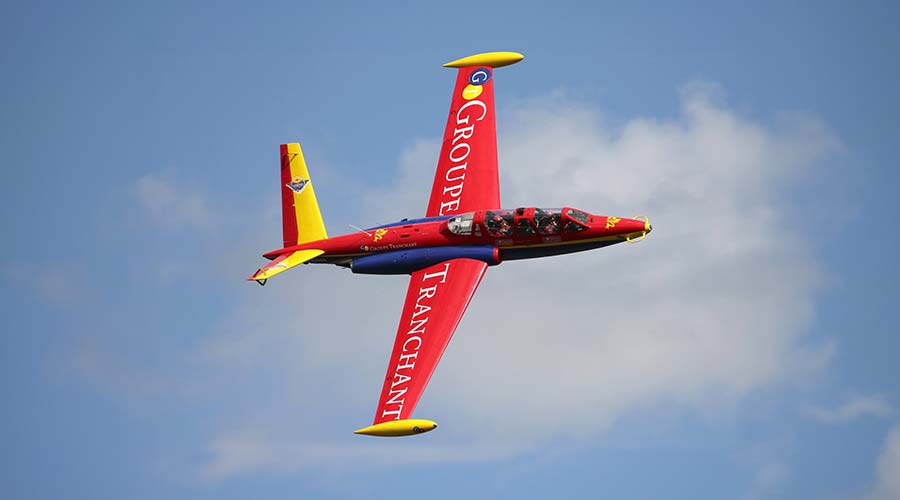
[(301, 219)]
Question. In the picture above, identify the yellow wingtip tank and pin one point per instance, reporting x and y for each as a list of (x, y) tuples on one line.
[(396, 428), (492, 59)]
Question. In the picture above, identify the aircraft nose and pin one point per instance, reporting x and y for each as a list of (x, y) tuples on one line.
[(645, 222), (636, 224), (639, 224)]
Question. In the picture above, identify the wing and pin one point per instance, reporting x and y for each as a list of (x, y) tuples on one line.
[(435, 302), (466, 178)]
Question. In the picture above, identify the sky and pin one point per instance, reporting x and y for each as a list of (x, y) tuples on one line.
[(745, 350)]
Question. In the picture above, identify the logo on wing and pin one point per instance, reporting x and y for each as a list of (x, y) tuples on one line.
[(394, 395), (297, 184), (480, 76), (476, 79)]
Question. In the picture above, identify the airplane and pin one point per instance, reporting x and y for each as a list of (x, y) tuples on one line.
[(447, 252)]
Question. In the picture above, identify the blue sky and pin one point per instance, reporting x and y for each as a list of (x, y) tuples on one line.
[(746, 350)]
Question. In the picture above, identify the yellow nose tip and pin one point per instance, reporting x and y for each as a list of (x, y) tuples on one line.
[(647, 226), (646, 231)]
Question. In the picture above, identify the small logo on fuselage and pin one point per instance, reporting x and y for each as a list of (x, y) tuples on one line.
[(297, 184)]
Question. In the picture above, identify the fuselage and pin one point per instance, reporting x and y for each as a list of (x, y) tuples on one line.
[(490, 235)]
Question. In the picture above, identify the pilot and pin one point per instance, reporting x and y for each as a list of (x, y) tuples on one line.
[(492, 222), (505, 228), (552, 226), (546, 223), (498, 226), (573, 227)]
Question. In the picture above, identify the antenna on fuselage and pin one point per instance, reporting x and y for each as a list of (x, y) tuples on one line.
[(360, 230)]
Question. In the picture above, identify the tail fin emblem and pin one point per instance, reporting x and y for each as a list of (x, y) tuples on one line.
[(297, 184)]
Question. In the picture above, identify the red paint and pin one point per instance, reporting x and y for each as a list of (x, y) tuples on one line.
[(467, 178), (436, 300), (288, 215), (435, 233)]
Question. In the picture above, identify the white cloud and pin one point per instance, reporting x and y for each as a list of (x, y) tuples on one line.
[(769, 477), (765, 458), (711, 307), (61, 285), (112, 371), (857, 406), (235, 454), (887, 471), (169, 205)]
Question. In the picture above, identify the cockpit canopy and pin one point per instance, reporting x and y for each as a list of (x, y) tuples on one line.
[(520, 223), (461, 224)]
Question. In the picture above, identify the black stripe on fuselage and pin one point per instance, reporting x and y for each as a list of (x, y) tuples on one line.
[(547, 251)]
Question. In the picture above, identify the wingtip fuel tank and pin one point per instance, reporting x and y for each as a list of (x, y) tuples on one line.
[(396, 428)]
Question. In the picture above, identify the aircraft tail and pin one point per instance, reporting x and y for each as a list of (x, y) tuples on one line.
[(301, 219)]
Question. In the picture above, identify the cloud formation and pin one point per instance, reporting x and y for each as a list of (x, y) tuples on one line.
[(59, 284), (857, 406), (767, 480), (887, 471), (170, 206), (710, 308)]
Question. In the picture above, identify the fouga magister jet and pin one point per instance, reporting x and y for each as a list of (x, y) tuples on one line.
[(446, 253)]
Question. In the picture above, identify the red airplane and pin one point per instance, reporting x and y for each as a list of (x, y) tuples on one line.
[(447, 252)]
